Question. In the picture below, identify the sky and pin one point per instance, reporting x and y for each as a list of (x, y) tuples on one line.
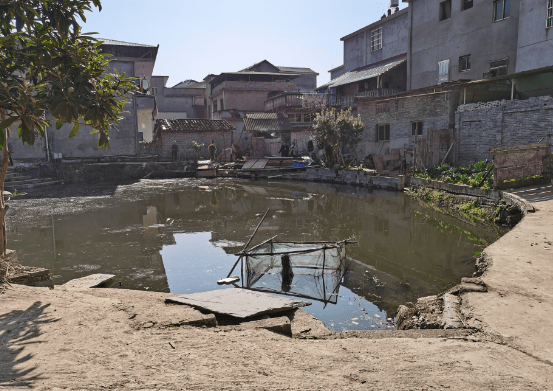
[(197, 38)]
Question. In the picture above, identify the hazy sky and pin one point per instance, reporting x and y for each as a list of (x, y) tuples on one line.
[(197, 38)]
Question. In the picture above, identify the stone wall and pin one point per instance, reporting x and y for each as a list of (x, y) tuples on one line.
[(481, 126), (431, 109)]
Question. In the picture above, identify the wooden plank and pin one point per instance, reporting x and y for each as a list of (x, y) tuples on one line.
[(92, 281), (387, 158), (249, 164), (261, 163), (237, 302)]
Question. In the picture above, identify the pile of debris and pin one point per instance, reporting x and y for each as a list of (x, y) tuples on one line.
[(441, 311)]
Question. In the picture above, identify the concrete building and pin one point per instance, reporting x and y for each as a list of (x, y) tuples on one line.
[(133, 59), (233, 95), (375, 61), (461, 40), (535, 35)]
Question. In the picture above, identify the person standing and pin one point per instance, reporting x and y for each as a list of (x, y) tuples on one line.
[(174, 151), (212, 150), (284, 149)]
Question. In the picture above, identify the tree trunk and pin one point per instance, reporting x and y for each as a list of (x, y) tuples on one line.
[(3, 206)]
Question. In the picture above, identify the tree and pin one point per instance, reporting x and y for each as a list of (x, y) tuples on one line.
[(52, 73), (338, 128), (198, 148)]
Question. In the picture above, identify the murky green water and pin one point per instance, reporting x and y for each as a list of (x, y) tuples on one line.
[(179, 236)]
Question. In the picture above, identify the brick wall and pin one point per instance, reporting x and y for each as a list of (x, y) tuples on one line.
[(431, 109), (481, 126), (184, 141)]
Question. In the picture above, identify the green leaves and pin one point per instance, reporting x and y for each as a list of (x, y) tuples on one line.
[(7, 123), (74, 130), (49, 66)]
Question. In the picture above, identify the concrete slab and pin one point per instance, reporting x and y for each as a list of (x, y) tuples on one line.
[(237, 302), (91, 281)]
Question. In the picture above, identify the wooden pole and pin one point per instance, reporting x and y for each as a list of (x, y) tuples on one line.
[(249, 241)]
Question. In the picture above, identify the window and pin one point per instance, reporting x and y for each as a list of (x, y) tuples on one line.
[(445, 10), (308, 117), (383, 132), (498, 68), (550, 13), (215, 105), (466, 4), (140, 136), (222, 105), (153, 91), (464, 63), (376, 39), (501, 9), (443, 71), (416, 128)]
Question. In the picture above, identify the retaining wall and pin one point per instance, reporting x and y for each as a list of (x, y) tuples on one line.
[(348, 177)]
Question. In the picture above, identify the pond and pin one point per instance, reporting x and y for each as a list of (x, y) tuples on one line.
[(181, 236)]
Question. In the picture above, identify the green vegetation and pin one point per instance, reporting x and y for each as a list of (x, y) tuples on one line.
[(471, 175)]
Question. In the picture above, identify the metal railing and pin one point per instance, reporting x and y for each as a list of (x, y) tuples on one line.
[(308, 100)]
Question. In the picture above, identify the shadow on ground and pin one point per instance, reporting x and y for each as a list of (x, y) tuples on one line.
[(18, 329)]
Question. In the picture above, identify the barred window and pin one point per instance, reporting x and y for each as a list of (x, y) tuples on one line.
[(383, 132), (464, 63), (498, 68), (550, 13), (376, 39), (416, 128)]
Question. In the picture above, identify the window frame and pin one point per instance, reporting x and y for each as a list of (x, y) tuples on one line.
[(467, 63), (497, 68), (376, 39), (440, 81), (140, 136), (464, 4), (504, 3), (214, 105), (416, 130), (443, 9), (549, 15), (386, 129), (153, 91), (222, 104)]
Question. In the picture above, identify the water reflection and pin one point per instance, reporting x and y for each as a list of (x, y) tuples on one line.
[(181, 236)]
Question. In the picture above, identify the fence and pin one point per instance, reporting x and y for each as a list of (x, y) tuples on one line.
[(435, 149)]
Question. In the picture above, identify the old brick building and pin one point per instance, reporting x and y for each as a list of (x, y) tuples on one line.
[(185, 131)]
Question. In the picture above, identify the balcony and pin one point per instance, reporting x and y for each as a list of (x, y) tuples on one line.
[(311, 100)]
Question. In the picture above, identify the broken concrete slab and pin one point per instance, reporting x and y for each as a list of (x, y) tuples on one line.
[(237, 302), (452, 312), (92, 281), (281, 325)]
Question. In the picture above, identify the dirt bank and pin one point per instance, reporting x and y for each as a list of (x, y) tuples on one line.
[(104, 339)]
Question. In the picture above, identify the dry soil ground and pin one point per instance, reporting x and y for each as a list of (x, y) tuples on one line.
[(115, 339)]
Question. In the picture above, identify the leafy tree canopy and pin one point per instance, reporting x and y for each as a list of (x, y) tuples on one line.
[(48, 66)]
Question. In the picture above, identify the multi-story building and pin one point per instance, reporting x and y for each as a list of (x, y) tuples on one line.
[(232, 95), (375, 60), (132, 59)]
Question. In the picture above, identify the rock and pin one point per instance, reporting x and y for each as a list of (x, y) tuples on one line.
[(404, 315), (452, 313)]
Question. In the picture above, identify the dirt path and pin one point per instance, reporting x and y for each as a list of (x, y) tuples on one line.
[(519, 304), (116, 339)]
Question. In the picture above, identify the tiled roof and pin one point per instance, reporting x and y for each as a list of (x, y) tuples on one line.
[(354, 76), (295, 69), (114, 42), (192, 125), (272, 122)]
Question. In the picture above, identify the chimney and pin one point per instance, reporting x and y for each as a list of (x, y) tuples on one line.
[(394, 7)]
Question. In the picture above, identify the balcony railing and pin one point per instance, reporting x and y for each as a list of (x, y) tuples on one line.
[(310, 100)]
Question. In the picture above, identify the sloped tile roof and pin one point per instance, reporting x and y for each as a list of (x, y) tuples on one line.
[(114, 42), (192, 125), (354, 76), (272, 122), (296, 69)]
